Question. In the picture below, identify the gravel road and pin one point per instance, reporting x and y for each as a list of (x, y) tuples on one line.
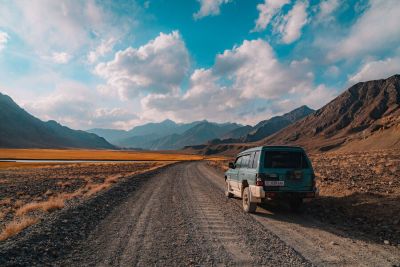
[(178, 216)]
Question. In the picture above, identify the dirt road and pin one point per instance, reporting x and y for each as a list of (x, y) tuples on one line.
[(180, 217)]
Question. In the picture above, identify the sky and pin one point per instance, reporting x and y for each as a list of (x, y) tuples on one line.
[(118, 64)]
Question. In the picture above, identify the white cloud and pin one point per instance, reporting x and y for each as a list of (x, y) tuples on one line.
[(60, 57), (105, 47), (267, 11), (3, 39), (326, 8), (317, 97), (255, 70), (77, 106), (209, 8), (158, 66), (375, 31), (379, 69), (293, 22), (48, 26), (243, 81)]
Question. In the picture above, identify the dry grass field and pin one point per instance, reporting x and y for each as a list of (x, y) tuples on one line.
[(360, 190), (77, 154), (30, 190)]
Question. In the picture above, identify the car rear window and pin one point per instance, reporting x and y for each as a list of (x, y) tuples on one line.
[(285, 160)]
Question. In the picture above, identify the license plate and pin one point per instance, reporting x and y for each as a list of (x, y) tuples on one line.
[(274, 183)]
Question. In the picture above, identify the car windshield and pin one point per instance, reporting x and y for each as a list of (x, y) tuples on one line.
[(285, 159)]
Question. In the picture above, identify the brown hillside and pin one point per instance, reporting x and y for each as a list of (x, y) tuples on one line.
[(366, 116)]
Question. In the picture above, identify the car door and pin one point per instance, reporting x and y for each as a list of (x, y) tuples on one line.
[(233, 175), (243, 172), (251, 169)]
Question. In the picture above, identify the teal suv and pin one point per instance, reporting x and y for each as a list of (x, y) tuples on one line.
[(271, 172)]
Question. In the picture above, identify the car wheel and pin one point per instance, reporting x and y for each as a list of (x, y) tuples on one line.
[(227, 193), (248, 206)]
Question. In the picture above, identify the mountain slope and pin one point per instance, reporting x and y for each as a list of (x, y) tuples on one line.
[(273, 125), (143, 135), (19, 129), (200, 133), (366, 111)]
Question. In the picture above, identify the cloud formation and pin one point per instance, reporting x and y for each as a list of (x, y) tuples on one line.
[(156, 67), (209, 8), (52, 26), (376, 69), (105, 47), (287, 26), (78, 106), (375, 31), (293, 22), (242, 80), (3, 39), (267, 11), (60, 57)]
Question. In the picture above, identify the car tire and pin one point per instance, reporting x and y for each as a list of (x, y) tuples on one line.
[(248, 206), (227, 193), (295, 204)]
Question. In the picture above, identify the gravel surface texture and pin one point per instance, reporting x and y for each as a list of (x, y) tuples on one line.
[(178, 216)]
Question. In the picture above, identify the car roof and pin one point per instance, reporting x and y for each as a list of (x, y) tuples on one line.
[(258, 148)]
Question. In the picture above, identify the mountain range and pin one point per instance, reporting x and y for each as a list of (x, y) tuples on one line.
[(166, 135), (365, 116), (19, 129)]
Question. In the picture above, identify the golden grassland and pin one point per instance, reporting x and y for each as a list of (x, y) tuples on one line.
[(81, 154), (23, 208), (84, 154)]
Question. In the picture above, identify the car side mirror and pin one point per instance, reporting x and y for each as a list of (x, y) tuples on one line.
[(231, 165)]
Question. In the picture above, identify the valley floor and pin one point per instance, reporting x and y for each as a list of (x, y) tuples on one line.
[(178, 215)]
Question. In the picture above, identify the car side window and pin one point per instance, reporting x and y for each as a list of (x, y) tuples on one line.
[(256, 159), (244, 162), (251, 160), (238, 162)]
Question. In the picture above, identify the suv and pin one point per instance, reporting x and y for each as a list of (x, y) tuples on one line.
[(271, 172)]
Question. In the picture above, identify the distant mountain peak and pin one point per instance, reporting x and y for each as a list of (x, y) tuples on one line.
[(19, 129)]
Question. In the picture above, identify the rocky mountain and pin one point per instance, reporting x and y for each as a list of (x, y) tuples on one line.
[(268, 127), (201, 132), (263, 129), (166, 135), (143, 135), (238, 133), (365, 116), (19, 129)]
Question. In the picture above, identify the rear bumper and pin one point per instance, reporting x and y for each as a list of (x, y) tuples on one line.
[(258, 194)]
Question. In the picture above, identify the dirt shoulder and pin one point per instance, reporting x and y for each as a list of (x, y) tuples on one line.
[(359, 193), (28, 193)]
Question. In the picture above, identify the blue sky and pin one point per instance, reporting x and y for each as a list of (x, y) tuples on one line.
[(117, 64)]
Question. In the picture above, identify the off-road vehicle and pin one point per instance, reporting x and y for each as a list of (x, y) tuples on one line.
[(269, 173)]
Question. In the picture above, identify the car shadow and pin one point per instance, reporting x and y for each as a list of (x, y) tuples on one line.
[(363, 216)]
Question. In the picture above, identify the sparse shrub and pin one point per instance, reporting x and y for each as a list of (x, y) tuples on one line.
[(16, 226), (48, 205)]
